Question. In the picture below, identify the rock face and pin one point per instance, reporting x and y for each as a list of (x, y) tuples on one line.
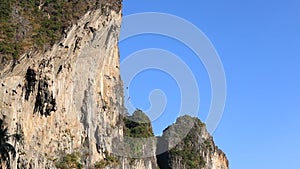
[(67, 102), (68, 98)]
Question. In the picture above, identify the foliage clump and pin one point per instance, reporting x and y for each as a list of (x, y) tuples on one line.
[(69, 161), (138, 125), (108, 161)]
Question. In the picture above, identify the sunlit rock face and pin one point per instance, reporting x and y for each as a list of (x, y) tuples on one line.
[(69, 97)]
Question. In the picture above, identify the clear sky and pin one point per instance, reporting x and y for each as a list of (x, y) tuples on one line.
[(258, 43)]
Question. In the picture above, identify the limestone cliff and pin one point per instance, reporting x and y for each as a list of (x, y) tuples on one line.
[(66, 99)]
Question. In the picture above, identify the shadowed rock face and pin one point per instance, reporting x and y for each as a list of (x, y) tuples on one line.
[(30, 81), (44, 101)]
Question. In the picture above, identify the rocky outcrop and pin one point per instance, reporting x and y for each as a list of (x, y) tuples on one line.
[(139, 142), (189, 145)]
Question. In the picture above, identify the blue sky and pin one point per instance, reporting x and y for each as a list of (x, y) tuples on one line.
[(258, 43)]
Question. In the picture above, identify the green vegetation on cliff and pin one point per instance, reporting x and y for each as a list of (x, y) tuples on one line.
[(188, 144), (188, 150), (137, 128), (70, 161), (40, 23), (107, 162), (138, 125)]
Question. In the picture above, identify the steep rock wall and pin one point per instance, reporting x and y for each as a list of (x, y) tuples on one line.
[(68, 98)]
